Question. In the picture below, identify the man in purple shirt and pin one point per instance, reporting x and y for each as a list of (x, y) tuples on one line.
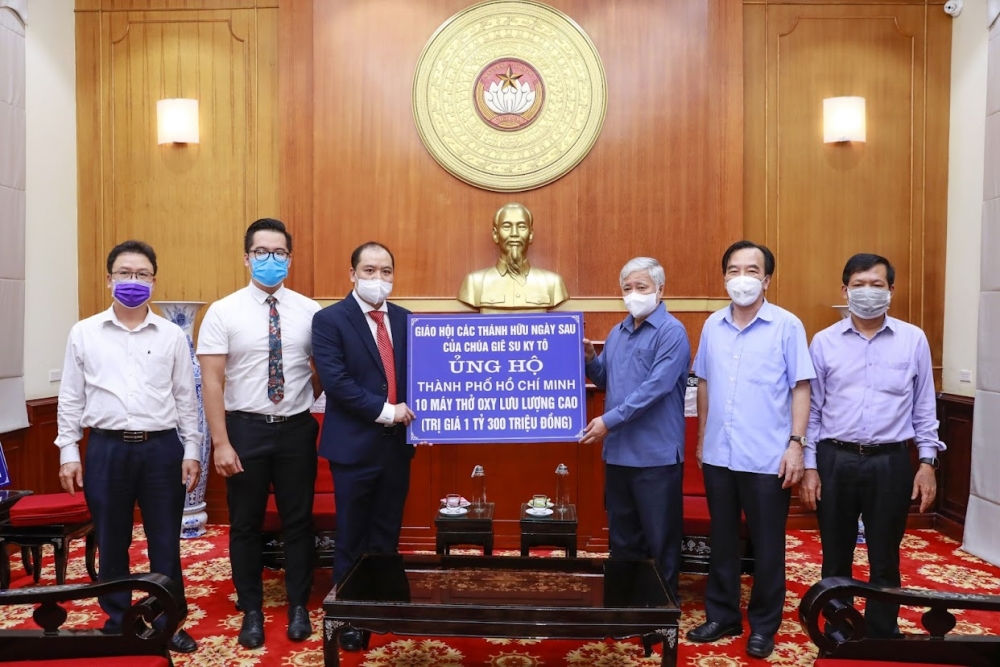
[(753, 371), (873, 392)]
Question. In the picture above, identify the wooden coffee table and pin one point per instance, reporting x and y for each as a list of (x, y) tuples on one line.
[(554, 530), (485, 596), (475, 528)]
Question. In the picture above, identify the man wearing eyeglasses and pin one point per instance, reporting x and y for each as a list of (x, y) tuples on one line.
[(128, 377), (258, 341)]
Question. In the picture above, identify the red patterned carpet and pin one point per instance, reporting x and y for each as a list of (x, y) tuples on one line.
[(930, 561)]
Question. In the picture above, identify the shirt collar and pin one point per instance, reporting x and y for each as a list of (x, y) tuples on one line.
[(655, 318), (847, 325), (260, 296), (502, 268), (765, 313), (110, 316), (367, 307)]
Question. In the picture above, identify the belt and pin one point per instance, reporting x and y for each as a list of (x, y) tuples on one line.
[(131, 436), (867, 449), (267, 419)]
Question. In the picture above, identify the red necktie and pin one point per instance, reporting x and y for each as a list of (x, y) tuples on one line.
[(385, 351)]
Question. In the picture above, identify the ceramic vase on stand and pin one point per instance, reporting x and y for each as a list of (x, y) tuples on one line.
[(183, 313)]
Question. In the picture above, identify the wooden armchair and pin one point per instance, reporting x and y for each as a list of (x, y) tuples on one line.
[(828, 615), (137, 645)]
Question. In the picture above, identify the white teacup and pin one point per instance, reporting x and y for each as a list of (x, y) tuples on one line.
[(539, 501)]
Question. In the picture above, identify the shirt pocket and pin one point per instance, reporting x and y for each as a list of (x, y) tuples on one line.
[(763, 367), (640, 363), (895, 377), (538, 298), (159, 372)]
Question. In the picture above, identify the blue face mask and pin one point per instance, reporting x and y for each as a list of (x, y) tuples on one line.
[(269, 272)]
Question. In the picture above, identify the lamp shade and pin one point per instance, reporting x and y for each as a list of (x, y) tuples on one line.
[(843, 119), (177, 121)]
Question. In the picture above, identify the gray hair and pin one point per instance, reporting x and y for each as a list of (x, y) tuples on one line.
[(643, 264)]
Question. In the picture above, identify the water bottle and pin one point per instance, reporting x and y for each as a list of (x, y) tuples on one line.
[(478, 499), (861, 531), (561, 501)]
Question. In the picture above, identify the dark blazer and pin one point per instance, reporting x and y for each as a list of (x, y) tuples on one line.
[(350, 370)]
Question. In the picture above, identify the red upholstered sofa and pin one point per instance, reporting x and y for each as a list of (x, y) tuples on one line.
[(324, 519), (846, 644), (697, 545), (137, 645)]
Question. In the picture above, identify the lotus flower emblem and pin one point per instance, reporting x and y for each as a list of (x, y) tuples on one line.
[(509, 98)]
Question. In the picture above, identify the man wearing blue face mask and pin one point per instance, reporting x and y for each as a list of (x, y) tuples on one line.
[(643, 368), (873, 393), (128, 377), (259, 342)]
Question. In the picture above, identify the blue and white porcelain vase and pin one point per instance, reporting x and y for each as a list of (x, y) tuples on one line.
[(183, 313)]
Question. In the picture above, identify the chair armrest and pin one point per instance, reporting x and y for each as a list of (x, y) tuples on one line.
[(832, 601), (137, 636)]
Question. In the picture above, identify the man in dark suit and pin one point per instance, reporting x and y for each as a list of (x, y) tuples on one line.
[(359, 348)]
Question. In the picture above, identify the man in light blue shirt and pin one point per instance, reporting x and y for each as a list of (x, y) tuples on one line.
[(753, 369), (643, 368)]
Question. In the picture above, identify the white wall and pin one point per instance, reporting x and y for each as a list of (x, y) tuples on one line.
[(967, 148), (50, 243)]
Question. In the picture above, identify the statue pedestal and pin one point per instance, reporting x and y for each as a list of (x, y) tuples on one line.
[(183, 313)]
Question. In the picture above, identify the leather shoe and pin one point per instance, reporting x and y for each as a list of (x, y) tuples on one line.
[(252, 630), (352, 639), (299, 627), (760, 646), (182, 642), (712, 631)]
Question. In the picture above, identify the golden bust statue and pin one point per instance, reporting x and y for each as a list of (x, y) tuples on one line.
[(512, 282)]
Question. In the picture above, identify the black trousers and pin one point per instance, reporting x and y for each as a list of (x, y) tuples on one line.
[(877, 488), (117, 475), (765, 504), (646, 516), (370, 499), (282, 455)]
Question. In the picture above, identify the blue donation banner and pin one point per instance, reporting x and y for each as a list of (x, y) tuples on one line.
[(4, 475), (496, 378)]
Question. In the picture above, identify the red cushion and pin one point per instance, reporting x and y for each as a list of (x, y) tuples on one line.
[(121, 661), (844, 662), (49, 509), (696, 519), (324, 514), (694, 480)]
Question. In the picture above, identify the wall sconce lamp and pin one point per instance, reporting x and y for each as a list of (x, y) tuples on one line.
[(843, 119), (177, 121)]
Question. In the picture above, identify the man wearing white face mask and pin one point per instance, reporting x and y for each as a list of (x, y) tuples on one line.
[(753, 371), (359, 345), (873, 393), (643, 368)]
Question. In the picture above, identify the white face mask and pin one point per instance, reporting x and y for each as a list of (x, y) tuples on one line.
[(641, 305), (868, 303), (744, 290), (373, 291)]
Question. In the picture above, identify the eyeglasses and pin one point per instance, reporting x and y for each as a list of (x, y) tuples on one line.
[(261, 254), (144, 276)]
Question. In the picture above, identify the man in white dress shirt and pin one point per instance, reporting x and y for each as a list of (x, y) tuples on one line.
[(258, 340), (128, 378)]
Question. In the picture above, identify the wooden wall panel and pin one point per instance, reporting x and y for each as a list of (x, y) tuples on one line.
[(653, 184), (816, 204), (191, 202)]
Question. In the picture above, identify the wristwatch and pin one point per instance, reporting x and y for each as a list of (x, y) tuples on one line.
[(932, 462), (801, 439)]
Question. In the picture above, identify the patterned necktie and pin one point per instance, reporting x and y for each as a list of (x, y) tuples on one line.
[(275, 373), (385, 351)]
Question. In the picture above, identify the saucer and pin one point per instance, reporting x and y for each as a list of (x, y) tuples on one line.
[(538, 511), (455, 511)]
